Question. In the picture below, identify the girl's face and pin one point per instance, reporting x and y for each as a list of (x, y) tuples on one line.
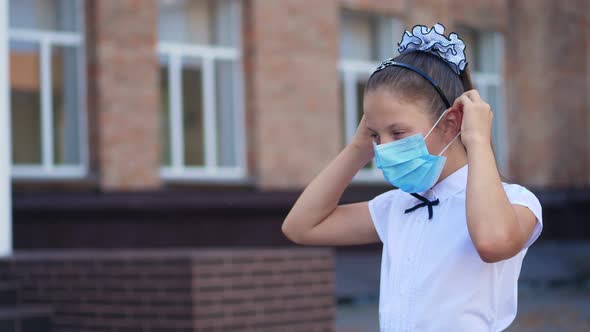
[(390, 118)]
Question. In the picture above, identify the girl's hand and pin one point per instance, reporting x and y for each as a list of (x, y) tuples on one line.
[(362, 139), (476, 127)]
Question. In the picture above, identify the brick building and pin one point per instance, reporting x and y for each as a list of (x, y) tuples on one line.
[(191, 124)]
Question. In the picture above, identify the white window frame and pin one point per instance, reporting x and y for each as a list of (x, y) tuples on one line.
[(208, 55), (351, 72), (45, 39), (482, 81), (6, 246)]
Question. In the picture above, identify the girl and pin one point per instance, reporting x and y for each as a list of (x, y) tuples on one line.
[(454, 235)]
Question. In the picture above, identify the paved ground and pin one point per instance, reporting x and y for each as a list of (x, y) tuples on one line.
[(362, 317), (554, 290), (551, 310)]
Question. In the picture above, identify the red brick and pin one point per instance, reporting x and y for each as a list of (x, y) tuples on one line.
[(124, 94), (134, 291)]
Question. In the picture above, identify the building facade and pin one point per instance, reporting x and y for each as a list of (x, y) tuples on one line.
[(169, 124), (117, 106)]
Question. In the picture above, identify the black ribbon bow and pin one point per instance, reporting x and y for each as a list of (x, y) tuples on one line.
[(425, 202)]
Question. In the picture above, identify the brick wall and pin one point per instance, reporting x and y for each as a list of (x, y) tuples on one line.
[(294, 120), (547, 93), (292, 89), (386, 7), (205, 290), (123, 96)]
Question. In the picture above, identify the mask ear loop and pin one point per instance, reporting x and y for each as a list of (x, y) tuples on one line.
[(437, 121), (451, 142), (434, 126)]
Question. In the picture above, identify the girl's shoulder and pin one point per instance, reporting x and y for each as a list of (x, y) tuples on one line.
[(380, 208), (385, 198), (382, 203), (518, 194)]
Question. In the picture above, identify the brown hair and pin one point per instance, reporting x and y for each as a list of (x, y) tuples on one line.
[(412, 86)]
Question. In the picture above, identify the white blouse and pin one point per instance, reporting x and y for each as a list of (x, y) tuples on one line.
[(432, 278)]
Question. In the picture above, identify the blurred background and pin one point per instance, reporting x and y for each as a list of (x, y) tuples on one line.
[(156, 147)]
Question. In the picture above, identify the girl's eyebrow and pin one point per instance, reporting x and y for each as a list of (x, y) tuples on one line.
[(390, 127), (371, 129)]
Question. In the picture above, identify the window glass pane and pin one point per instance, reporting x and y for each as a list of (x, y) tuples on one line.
[(491, 96), (226, 112), (388, 32), (357, 37), (25, 95), (66, 121), (205, 22), (57, 15), (472, 49), (368, 37), (185, 21), (192, 111), (499, 139), (487, 56), (226, 31), (165, 111), (482, 50)]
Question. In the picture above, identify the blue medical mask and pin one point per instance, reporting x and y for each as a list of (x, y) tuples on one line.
[(407, 164)]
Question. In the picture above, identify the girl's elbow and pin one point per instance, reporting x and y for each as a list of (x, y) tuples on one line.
[(291, 234), (489, 255), (495, 251)]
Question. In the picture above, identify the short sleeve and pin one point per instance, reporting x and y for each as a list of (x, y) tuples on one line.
[(520, 195), (379, 208)]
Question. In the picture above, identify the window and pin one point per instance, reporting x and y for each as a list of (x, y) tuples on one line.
[(46, 87), (365, 40), (201, 88), (485, 51)]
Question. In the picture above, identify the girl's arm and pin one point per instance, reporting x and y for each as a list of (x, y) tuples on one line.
[(497, 228), (317, 219)]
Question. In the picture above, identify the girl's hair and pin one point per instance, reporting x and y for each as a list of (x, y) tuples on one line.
[(411, 86)]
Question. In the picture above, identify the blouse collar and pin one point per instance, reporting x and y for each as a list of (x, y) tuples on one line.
[(449, 186)]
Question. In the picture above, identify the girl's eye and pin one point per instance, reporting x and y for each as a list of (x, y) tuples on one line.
[(398, 133), (375, 138)]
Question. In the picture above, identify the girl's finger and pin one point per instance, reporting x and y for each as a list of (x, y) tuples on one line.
[(473, 95), (462, 100)]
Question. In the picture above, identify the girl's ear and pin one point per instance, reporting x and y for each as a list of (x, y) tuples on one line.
[(457, 107), (454, 118)]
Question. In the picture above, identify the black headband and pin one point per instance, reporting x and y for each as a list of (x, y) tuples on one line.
[(415, 69)]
